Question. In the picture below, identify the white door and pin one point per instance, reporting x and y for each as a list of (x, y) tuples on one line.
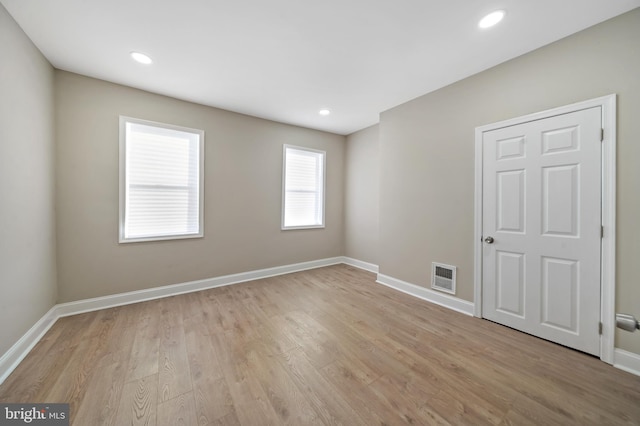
[(541, 228)]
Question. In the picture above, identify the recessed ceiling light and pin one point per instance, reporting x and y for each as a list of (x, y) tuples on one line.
[(324, 111), (491, 19), (141, 57)]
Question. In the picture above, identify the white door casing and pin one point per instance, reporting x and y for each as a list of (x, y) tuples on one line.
[(542, 184)]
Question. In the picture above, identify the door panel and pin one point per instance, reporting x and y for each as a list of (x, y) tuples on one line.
[(560, 293), (510, 148), (559, 140), (510, 283), (541, 204), (560, 189), (510, 201)]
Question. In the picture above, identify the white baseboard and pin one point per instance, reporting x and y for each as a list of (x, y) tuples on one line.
[(360, 264), (432, 296), (627, 361), (623, 360), (97, 303), (10, 360)]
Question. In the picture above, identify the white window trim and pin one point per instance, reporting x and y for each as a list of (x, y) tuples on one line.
[(284, 180), (122, 180)]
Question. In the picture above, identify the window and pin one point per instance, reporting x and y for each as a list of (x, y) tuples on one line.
[(303, 188), (161, 175)]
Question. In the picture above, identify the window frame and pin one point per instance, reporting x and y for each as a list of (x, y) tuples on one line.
[(284, 187), (122, 163)]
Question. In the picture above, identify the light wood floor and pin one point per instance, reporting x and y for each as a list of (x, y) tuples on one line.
[(327, 346)]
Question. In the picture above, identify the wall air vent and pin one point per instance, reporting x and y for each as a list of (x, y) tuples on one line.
[(443, 277)]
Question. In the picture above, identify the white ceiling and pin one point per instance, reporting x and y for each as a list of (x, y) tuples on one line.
[(285, 59)]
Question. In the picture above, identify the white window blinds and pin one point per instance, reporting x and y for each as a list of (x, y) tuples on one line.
[(161, 181), (303, 188)]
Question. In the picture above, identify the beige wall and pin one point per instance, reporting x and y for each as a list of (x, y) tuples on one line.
[(27, 238), (361, 198), (243, 184), (427, 175)]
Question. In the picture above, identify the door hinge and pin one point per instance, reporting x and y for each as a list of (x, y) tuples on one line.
[(602, 232), (601, 135), (600, 328)]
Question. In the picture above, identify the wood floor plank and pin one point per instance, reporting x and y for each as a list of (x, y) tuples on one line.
[(351, 365), (170, 312), (213, 400), (210, 391), (37, 373), (179, 411), (292, 406), (33, 378), (468, 410), (228, 317), (251, 400), (398, 400), (275, 339), (71, 384), (230, 419), (324, 346), (174, 376), (359, 396), (322, 396), (145, 346), (202, 358), (319, 349), (443, 372), (104, 390), (121, 336), (138, 402)]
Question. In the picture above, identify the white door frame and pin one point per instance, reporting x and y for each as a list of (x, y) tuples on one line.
[(608, 242)]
